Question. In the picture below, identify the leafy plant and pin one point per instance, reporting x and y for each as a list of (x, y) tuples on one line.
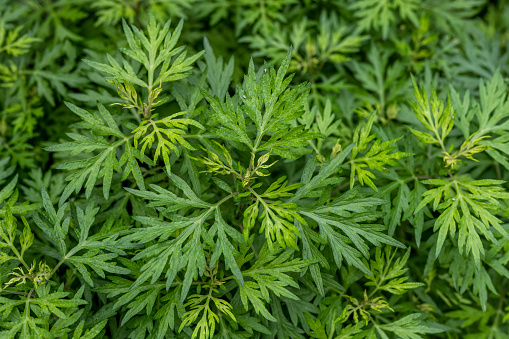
[(256, 170)]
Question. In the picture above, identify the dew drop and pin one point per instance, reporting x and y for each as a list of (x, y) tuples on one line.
[(453, 117), (244, 97), (265, 70), (453, 199)]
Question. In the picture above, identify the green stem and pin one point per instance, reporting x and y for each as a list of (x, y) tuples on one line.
[(437, 135), (310, 142), (259, 198), (67, 256), (18, 255), (199, 136), (27, 304), (225, 198), (13, 292)]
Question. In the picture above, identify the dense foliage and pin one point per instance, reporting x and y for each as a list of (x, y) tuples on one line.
[(254, 169)]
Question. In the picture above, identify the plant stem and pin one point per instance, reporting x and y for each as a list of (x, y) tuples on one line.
[(13, 292)]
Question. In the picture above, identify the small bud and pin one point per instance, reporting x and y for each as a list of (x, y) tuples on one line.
[(453, 117), (263, 159), (265, 70), (244, 97), (335, 150), (453, 199)]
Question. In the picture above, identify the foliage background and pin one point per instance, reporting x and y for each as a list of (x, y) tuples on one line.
[(359, 57)]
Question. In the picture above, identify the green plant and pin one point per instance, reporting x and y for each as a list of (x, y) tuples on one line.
[(156, 190)]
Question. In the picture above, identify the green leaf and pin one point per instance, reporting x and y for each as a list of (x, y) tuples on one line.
[(411, 326), (184, 247), (13, 43), (168, 137), (342, 228), (225, 247), (372, 14), (277, 216), (219, 74), (88, 170), (470, 207), (388, 276), (312, 183), (270, 274), (379, 155), (434, 114)]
